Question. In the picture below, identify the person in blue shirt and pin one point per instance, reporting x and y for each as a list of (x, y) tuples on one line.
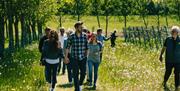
[(101, 38), (172, 56)]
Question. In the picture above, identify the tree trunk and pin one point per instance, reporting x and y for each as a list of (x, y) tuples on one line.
[(77, 9), (29, 32), (39, 24), (60, 20), (145, 22), (33, 27), (158, 21), (2, 37), (107, 22), (99, 25), (11, 35), (16, 32), (125, 22), (7, 30), (167, 21), (23, 30)]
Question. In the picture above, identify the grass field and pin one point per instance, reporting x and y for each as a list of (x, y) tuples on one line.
[(124, 68), (114, 22), (130, 68)]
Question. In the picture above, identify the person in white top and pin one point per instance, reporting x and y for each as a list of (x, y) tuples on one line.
[(62, 37)]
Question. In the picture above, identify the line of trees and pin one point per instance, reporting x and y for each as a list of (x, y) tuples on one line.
[(107, 8), (22, 21)]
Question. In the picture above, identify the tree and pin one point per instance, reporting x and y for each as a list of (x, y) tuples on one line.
[(2, 37), (96, 9), (10, 13), (81, 7), (124, 8), (141, 7)]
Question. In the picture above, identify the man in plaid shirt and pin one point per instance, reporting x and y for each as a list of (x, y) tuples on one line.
[(78, 44)]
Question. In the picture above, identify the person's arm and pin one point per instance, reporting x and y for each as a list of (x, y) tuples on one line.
[(162, 51), (105, 38), (86, 45), (40, 45), (61, 53), (161, 54), (67, 50)]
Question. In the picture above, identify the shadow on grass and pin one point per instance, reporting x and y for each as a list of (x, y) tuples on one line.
[(64, 86), (167, 89), (89, 89)]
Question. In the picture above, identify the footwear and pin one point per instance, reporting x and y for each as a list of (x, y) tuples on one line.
[(80, 88), (89, 84), (94, 87), (177, 89), (51, 89), (71, 83), (165, 85)]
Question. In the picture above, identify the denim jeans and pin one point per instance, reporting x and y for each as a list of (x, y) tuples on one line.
[(78, 65), (50, 73), (92, 64)]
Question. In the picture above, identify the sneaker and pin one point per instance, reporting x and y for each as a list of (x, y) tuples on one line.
[(80, 88)]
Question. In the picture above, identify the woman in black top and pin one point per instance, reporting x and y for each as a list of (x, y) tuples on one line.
[(52, 51)]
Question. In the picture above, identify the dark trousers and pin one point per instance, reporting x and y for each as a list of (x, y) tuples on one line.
[(63, 67), (169, 67), (92, 65), (50, 73), (69, 69), (101, 56), (78, 65), (113, 42)]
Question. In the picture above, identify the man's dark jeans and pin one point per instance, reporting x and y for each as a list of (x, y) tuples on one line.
[(78, 65), (169, 67)]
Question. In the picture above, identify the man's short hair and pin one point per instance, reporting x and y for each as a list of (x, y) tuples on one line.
[(62, 29), (77, 24), (47, 29), (99, 30)]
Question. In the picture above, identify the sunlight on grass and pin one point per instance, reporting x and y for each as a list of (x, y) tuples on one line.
[(131, 68)]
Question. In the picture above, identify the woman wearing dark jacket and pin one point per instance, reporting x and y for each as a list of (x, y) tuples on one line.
[(52, 51)]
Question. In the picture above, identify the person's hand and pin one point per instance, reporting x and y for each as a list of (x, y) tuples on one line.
[(66, 60), (41, 64), (160, 58)]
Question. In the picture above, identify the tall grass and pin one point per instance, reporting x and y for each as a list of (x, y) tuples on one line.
[(21, 71), (130, 68)]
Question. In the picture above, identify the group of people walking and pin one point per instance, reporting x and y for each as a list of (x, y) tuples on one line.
[(79, 51)]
